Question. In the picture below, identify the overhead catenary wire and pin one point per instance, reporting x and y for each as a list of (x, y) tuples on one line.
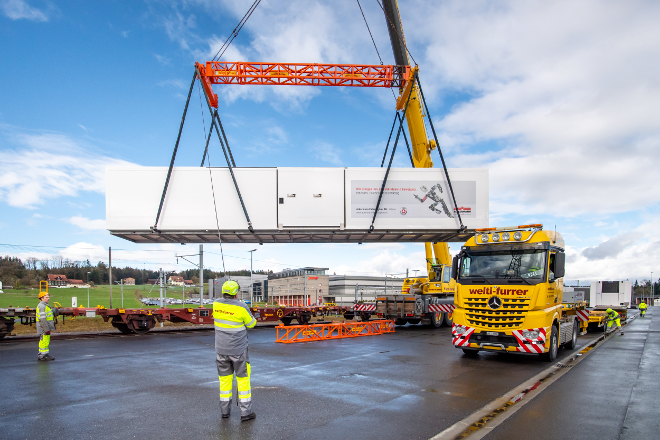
[(236, 30)]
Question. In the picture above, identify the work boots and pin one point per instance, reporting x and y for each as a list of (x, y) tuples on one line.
[(250, 416), (46, 358)]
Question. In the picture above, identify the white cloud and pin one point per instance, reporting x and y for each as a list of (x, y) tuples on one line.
[(124, 34), (179, 84), (163, 59), (85, 223), (326, 152), (384, 262), (17, 9), (632, 254), (560, 99), (47, 166)]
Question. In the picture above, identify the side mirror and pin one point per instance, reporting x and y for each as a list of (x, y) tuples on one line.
[(560, 263), (454, 268)]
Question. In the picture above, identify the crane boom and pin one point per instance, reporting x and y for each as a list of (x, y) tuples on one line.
[(421, 145)]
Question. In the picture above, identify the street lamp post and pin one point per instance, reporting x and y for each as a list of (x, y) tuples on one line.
[(251, 282), (652, 292), (88, 289)]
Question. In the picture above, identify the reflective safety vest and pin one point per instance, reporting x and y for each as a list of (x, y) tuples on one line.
[(45, 319), (232, 318), (613, 315), (642, 306)]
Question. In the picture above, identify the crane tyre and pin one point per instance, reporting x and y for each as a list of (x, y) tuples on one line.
[(573, 342), (551, 355), (437, 319), (470, 352)]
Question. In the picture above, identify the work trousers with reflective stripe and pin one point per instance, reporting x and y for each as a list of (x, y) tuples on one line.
[(44, 342), (227, 366), (617, 321)]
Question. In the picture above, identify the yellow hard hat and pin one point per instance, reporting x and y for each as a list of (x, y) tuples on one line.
[(42, 294), (230, 287), (609, 310)]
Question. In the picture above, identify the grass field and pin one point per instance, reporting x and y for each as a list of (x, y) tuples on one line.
[(98, 296)]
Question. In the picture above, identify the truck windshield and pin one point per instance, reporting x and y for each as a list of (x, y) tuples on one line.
[(527, 264)]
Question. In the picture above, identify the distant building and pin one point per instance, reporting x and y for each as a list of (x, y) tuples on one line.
[(188, 283), (55, 280), (77, 283), (129, 281), (174, 280), (299, 287), (258, 282), (345, 289), (152, 281)]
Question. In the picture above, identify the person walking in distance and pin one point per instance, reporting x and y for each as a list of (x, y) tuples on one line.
[(642, 308), (45, 325), (612, 318), (232, 318)]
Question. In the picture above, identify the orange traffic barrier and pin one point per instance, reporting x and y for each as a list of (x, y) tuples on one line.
[(318, 332)]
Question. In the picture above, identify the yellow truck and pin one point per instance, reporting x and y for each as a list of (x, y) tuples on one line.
[(509, 293)]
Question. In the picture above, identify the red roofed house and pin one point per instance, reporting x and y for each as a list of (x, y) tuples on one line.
[(55, 280), (175, 280), (188, 282)]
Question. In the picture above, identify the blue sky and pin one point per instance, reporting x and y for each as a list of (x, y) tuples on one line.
[(559, 100)]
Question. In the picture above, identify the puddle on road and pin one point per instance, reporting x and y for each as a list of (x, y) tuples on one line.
[(357, 375)]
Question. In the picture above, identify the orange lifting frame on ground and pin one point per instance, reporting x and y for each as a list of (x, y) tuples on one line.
[(319, 332)]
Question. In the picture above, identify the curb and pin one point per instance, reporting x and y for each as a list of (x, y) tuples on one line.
[(483, 421)]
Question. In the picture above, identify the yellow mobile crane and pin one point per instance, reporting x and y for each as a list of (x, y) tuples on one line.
[(423, 300), (438, 283)]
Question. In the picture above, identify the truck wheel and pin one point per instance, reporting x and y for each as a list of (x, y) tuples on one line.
[(551, 355), (399, 321), (286, 321), (349, 316), (436, 319), (303, 319), (573, 342), (414, 321), (470, 352), (448, 318), (365, 317)]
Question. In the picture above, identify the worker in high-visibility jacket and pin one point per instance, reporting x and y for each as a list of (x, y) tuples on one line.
[(232, 318), (45, 325), (642, 308), (612, 318)]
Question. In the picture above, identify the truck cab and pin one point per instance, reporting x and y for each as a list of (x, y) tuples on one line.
[(509, 292)]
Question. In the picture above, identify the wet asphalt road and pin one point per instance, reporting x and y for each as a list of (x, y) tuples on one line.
[(612, 394), (411, 384)]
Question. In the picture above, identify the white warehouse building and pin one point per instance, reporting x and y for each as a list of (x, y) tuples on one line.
[(345, 289)]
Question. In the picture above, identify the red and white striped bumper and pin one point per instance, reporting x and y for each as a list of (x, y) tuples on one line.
[(583, 315), (461, 340), (364, 307), (447, 308), (530, 345)]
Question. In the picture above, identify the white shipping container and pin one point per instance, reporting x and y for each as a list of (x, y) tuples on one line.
[(294, 204), (610, 293)]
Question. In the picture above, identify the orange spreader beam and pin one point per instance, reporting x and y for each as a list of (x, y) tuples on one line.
[(319, 332), (299, 74)]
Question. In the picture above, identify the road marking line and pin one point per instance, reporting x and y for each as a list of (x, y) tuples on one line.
[(494, 413)]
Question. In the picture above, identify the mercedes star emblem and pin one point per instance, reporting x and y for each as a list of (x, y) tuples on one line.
[(494, 302)]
